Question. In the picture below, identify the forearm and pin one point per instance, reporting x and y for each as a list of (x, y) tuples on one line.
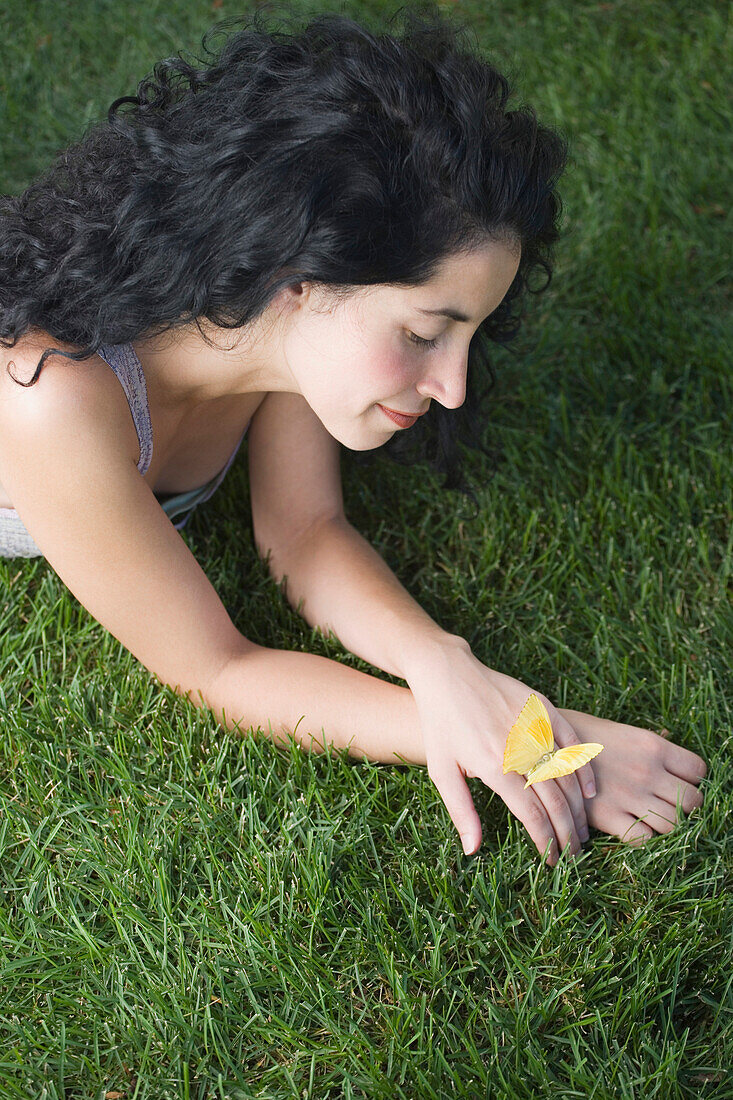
[(320, 702), (347, 588)]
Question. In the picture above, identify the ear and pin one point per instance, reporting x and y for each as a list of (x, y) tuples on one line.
[(293, 296)]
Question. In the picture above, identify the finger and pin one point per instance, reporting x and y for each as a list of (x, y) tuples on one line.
[(587, 781), (453, 789), (659, 815), (527, 807), (570, 787), (627, 827), (556, 806), (573, 785), (565, 735), (674, 790), (633, 830), (683, 763)]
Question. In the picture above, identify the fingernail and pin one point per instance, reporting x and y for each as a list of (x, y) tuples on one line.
[(584, 834), (466, 847), (590, 791)]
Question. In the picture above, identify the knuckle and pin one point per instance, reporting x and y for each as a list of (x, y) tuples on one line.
[(552, 851), (462, 824), (638, 833), (656, 748), (570, 737), (651, 764), (437, 768), (659, 752), (555, 803), (489, 774), (536, 819), (691, 798), (665, 823), (700, 766)]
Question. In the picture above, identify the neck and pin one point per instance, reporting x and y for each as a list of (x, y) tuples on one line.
[(183, 370)]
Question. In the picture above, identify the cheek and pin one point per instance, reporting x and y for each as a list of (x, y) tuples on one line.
[(390, 372)]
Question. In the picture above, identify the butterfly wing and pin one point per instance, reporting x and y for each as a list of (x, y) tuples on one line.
[(530, 738), (563, 762)]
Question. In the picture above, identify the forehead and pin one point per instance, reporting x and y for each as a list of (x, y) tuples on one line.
[(469, 283)]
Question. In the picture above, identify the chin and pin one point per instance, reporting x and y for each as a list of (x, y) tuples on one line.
[(358, 445), (364, 440)]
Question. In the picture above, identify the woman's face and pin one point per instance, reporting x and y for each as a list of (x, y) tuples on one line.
[(349, 358)]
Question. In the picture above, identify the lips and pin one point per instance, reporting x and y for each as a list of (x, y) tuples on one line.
[(403, 420)]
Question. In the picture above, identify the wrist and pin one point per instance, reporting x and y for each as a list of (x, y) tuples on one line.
[(423, 655)]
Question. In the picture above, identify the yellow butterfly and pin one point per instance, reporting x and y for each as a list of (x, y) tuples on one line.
[(530, 748)]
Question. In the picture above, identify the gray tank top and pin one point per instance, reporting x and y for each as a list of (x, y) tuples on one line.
[(16, 542)]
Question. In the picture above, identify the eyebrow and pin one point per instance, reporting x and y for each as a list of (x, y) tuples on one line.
[(452, 313)]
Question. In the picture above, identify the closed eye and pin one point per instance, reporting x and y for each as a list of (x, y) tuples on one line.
[(423, 343)]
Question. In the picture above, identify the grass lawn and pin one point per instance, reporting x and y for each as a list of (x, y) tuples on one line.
[(189, 913)]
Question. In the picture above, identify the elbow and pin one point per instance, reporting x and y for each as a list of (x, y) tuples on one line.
[(200, 687), (218, 685), (279, 566), (268, 551)]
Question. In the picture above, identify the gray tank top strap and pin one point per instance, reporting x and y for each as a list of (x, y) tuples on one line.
[(126, 365)]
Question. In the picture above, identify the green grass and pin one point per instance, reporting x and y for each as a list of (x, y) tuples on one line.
[(188, 913)]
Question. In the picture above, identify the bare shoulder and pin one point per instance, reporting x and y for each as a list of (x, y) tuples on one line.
[(86, 390), (80, 496)]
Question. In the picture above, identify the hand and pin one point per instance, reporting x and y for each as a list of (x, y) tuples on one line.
[(466, 711)]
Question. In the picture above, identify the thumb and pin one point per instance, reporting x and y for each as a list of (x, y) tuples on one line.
[(453, 789)]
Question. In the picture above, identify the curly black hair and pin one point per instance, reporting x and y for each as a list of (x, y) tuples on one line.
[(331, 154)]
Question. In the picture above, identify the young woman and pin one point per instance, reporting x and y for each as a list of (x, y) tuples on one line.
[(311, 239)]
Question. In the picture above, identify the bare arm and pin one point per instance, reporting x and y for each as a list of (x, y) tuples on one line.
[(101, 529), (346, 587), (464, 709), (322, 703)]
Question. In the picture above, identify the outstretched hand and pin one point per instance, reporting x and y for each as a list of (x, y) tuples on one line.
[(466, 711)]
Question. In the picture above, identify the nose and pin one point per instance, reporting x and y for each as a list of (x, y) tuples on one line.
[(446, 379)]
